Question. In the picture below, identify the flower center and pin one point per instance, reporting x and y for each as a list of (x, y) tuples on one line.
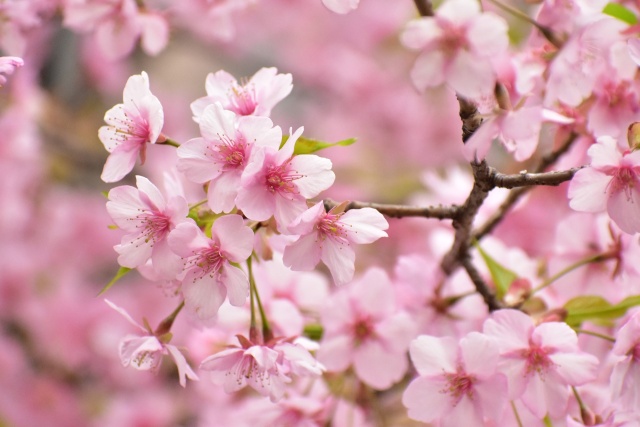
[(624, 179), (330, 226), (231, 153), (154, 226), (208, 260), (243, 100), (280, 180), (537, 360), (458, 385)]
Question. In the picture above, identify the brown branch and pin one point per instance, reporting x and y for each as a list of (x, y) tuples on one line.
[(481, 287), (525, 179), (425, 8), (462, 224), (517, 193), (401, 211)]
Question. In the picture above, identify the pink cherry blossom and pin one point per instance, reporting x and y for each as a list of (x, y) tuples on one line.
[(148, 218), (223, 152), (266, 368), (8, 64), (208, 276), (611, 183), (364, 328), (145, 352), (329, 236), (255, 97), (278, 183), (117, 25), (458, 383), (540, 362), (131, 125), (341, 6), (456, 46), (625, 378)]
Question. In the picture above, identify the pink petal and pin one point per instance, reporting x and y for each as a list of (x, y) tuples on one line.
[(133, 251), (184, 370), (459, 11), (433, 356), (587, 190), (428, 70), (216, 122), (194, 162), (126, 315), (236, 239), (556, 335), (377, 367), (155, 32), (150, 193), (286, 211), (418, 33), (487, 35), (471, 76), (303, 254), (575, 368), (256, 202), (116, 39), (477, 147), (305, 222), (364, 225), (118, 165), (237, 285), (203, 295), (605, 153), (335, 353), (186, 238), (341, 6), (223, 191), (465, 412), (286, 152), (260, 131), (492, 395), (634, 49), (397, 332), (124, 203), (316, 173), (623, 207), (479, 354), (511, 328), (164, 261), (425, 400), (546, 395), (340, 259), (375, 293)]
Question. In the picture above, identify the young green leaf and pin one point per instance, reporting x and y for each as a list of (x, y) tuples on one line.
[(309, 146), (620, 12), (121, 272), (502, 277), (597, 309)]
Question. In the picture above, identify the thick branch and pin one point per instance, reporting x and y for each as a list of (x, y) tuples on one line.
[(462, 224), (481, 286), (401, 211), (516, 194), (525, 179)]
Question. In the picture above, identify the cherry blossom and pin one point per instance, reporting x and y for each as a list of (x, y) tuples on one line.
[(540, 362), (278, 183), (611, 183), (223, 152), (117, 25), (131, 125), (267, 368), (625, 388), (145, 352), (255, 97), (456, 46), (148, 218), (8, 64), (208, 276), (365, 329), (458, 383), (328, 236)]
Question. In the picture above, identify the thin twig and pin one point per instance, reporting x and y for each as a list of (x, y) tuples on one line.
[(425, 8), (481, 286), (525, 179), (401, 211)]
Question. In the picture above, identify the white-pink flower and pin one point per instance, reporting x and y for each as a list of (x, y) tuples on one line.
[(148, 218), (223, 152), (540, 362), (118, 24), (145, 352), (456, 46), (131, 125), (8, 65), (265, 368), (364, 328), (278, 183), (611, 183), (329, 236), (255, 97), (208, 276), (625, 378), (458, 383)]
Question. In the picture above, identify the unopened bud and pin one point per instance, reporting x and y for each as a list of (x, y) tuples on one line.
[(633, 136)]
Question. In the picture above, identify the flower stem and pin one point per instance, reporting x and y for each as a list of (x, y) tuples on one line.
[(595, 334), (546, 32), (167, 323), (515, 414), (592, 259), (267, 333)]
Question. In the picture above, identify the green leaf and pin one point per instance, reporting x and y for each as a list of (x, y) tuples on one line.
[(314, 331), (597, 309), (308, 145), (620, 12), (502, 277), (121, 272)]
